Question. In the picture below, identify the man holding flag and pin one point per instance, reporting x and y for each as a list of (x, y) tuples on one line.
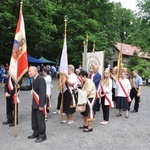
[(18, 62), (10, 100)]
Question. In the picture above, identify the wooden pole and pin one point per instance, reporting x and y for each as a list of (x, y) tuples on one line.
[(61, 106), (62, 77), (15, 112), (93, 50), (15, 100)]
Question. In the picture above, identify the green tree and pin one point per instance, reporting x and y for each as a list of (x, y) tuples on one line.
[(38, 24), (140, 35), (105, 23), (140, 64)]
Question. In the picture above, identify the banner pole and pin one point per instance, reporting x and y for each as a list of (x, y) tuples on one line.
[(15, 111)]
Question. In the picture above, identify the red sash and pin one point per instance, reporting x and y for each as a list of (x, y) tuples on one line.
[(128, 98), (108, 100), (97, 95), (11, 87), (36, 98), (79, 79)]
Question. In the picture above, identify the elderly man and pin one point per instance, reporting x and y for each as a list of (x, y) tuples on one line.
[(38, 106), (136, 90), (96, 77)]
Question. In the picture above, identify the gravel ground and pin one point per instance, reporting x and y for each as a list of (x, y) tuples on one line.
[(119, 134)]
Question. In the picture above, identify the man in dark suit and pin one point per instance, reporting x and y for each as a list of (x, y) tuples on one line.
[(9, 94), (96, 80), (38, 106)]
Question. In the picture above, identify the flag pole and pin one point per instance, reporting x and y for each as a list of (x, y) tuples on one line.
[(85, 53), (15, 98), (119, 65), (15, 115), (62, 78), (93, 50)]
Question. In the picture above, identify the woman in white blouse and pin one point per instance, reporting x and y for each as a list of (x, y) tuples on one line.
[(106, 96), (122, 93), (48, 81)]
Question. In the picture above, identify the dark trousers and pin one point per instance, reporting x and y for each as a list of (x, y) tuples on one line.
[(105, 109), (47, 104), (97, 105), (38, 123), (133, 94), (10, 106), (9, 109)]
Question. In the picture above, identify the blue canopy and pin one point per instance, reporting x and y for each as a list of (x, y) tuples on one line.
[(34, 60)]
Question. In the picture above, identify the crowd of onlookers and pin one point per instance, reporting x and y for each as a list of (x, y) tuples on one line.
[(3, 74), (53, 70)]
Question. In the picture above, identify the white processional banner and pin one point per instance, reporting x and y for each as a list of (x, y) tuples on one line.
[(95, 58)]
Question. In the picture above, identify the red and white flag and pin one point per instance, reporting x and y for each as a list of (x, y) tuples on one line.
[(19, 61)]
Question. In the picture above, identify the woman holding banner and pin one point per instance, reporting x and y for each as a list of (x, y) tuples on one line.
[(69, 99)]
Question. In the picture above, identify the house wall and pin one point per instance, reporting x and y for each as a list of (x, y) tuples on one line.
[(114, 58)]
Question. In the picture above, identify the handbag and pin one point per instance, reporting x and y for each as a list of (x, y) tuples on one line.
[(81, 108)]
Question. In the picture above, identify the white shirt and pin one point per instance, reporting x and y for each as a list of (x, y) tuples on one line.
[(73, 79), (48, 81), (127, 86)]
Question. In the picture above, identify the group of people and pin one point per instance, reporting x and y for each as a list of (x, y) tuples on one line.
[(41, 93), (111, 89), (53, 70), (3, 74)]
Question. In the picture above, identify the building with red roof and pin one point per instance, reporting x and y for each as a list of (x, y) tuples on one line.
[(127, 52)]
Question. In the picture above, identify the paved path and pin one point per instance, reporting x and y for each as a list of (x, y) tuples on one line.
[(120, 134)]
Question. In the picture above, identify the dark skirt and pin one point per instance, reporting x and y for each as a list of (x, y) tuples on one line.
[(113, 94), (86, 112), (67, 102), (122, 103)]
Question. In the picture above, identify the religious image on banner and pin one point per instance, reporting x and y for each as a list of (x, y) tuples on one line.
[(18, 47), (95, 58)]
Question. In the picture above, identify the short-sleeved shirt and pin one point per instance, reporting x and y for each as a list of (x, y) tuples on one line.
[(137, 81), (73, 79), (89, 86), (48, 81)]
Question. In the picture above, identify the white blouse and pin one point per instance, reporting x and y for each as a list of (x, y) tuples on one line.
[(73, 79), (48, 81), (127, 86)]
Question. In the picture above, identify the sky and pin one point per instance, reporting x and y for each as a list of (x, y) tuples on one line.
[(129, 4)]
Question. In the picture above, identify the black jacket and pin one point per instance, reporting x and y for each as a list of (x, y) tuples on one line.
[(39, 86)]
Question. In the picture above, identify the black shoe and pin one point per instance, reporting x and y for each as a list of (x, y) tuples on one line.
[(119, 115), (38, 140), (33, 136), (83, 127), (12, 124), (7, 122), (88, 130), (134, 111)]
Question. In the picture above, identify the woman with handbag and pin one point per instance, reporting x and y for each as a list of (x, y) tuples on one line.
[(106, 96), (90, 89)]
